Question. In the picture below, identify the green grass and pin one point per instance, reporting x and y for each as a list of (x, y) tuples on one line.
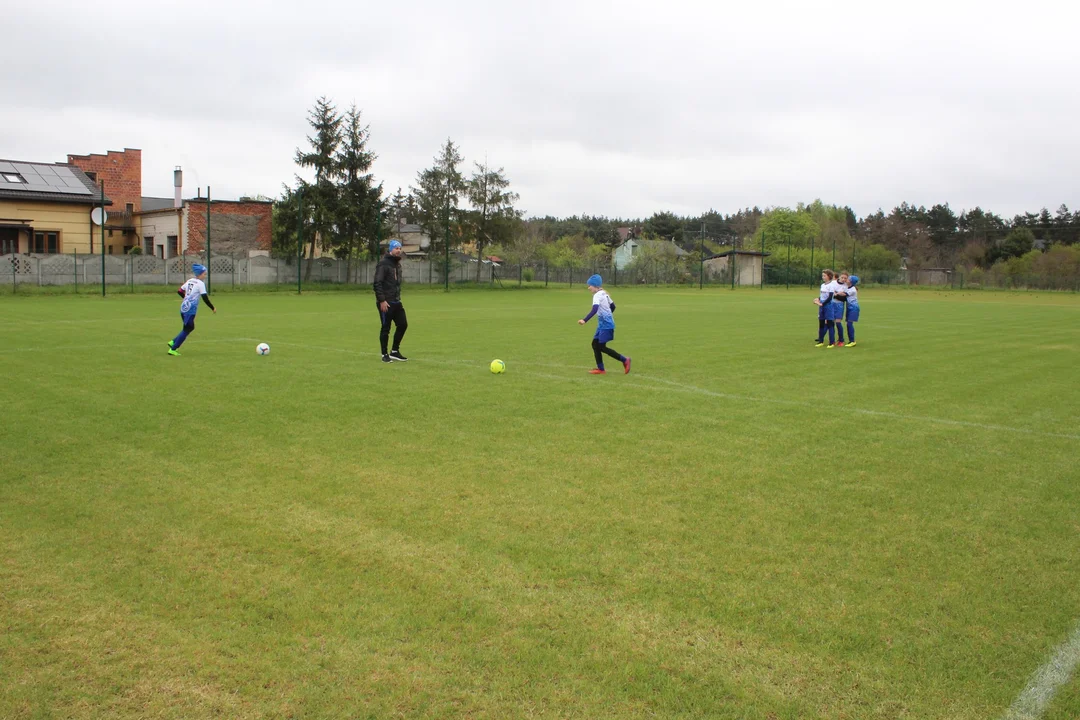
[(743, 527)]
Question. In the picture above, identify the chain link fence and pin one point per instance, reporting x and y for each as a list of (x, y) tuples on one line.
[(134, 273)]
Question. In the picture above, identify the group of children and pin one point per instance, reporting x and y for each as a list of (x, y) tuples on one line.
[(837, 303)]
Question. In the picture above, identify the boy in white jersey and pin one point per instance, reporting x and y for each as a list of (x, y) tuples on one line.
[(192, 291), (852, 301), (603, 308)]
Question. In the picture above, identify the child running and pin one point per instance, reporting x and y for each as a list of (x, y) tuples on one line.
[(603, 308), (192, 291), (852, 294)]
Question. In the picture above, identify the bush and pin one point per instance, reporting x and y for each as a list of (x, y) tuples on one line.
[(527, 274)]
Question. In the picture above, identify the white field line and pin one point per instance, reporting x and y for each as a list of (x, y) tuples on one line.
[(141, 343), (1033, 700)]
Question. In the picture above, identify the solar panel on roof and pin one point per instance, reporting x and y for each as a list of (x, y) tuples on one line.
[(55, 179)]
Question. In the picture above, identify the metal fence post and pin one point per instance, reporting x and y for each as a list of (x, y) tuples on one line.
[(102, 238), (75, 270), (762, 260)]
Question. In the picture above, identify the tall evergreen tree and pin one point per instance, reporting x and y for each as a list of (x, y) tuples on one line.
[(438, 193), (320, 198), (492, 218), (358, 197)]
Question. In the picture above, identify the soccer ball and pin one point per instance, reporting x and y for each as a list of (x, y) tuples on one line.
[(262, 349), (498, 366)]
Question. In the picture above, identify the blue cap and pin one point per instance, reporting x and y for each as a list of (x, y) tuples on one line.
[(595, 281), (395, 244), (198, 269), (854, 279)]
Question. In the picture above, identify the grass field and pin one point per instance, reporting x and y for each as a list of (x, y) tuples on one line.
[(743, 527)]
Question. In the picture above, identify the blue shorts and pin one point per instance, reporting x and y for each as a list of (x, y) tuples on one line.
[(821, 312), (835, 311), (604, 336), (853, 314)]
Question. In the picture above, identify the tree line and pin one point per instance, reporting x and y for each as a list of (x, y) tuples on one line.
[(342, 211)]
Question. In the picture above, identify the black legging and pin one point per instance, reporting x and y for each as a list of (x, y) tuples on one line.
[(395, 313), (599, 347)]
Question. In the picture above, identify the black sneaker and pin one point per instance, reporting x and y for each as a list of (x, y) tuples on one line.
[(396, 355), (386, 358)]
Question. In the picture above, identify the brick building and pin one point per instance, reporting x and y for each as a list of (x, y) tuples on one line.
[(167, 227), (122, 175)]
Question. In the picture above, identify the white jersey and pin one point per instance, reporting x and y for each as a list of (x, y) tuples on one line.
[(194, 289), (837, 287), (604, 319), (826, 288), (852, 296)]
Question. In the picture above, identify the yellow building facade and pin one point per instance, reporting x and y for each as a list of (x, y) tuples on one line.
[(45, 210)]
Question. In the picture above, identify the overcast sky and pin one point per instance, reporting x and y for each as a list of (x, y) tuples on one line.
[(602, 108)]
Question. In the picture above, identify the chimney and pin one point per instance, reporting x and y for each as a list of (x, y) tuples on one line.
[(178, 184)]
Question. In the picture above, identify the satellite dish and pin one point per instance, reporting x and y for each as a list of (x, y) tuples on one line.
[(98, 216)]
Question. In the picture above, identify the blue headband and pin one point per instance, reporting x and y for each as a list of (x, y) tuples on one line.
[(394, 244), (198, 269), (596, 281)]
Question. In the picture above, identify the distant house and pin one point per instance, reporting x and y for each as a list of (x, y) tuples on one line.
[(414, 241), (626, 252), (748, 264), (45, 208)]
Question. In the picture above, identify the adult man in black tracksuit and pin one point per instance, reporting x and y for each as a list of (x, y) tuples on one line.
[(388, 299)]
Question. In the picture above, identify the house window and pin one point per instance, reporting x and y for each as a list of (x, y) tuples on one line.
[(148, 245), (174, 245), (45, 243), (12, 177), (9, 241), (129, 208)]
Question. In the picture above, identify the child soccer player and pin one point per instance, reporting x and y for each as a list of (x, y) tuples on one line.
[(839, 304), (825, 315), (192, 291), (603, 308), (852, 308)]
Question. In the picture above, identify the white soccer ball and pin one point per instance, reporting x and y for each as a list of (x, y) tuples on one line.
[(262, 349)]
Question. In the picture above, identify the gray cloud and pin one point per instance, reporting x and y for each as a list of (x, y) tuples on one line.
[(591, 107)]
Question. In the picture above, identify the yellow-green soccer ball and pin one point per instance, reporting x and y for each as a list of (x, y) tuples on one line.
[(498, 366)]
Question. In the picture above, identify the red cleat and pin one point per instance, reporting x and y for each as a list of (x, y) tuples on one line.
[(597, 371), (840, 344), (626, 365)]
